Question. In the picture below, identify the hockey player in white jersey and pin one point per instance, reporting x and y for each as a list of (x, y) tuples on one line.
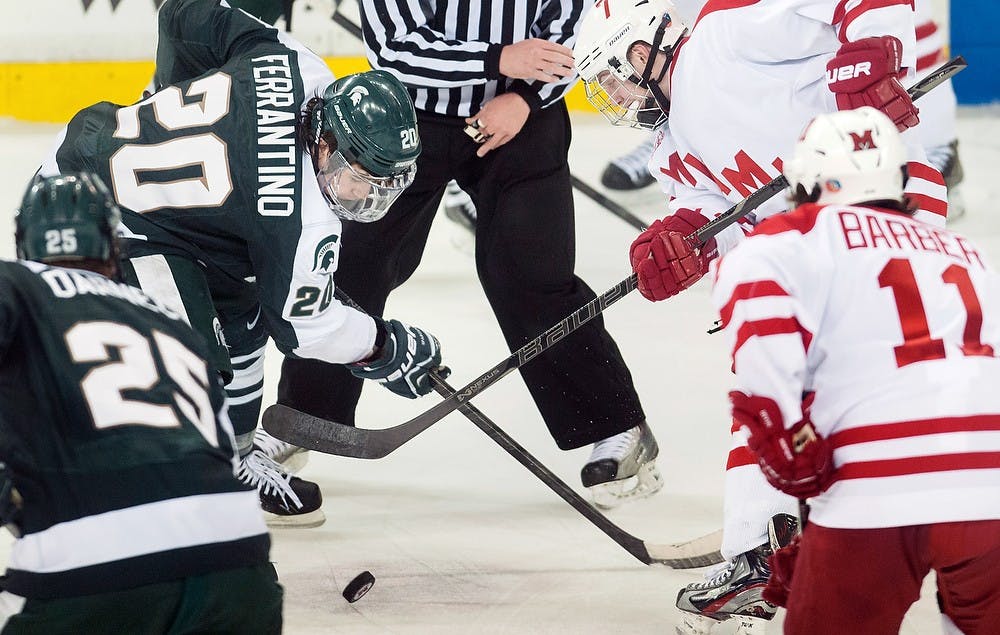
[(899, 451), (938, 109), (739, 85)]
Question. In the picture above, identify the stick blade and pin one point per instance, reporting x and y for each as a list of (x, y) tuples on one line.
[(314, 433), (693, 554)]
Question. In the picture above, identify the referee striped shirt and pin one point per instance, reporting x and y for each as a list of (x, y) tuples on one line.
[(447, 52)]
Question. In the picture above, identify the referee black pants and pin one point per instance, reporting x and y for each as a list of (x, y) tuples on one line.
[(525, 257)]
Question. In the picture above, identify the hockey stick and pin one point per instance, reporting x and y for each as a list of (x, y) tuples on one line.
[(345, 22), (331, 437), (700, 552), (607, 203)]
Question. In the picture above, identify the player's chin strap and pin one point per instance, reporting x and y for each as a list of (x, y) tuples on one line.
[(654, 86)]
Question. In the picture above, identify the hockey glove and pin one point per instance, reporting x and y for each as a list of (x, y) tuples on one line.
[(782, 563), (664, 261), (866, 73), (404, 360), (796, 461)]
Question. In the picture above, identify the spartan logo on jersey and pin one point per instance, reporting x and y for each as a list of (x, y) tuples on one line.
[(357, 94), (325, 258), (863, 141)]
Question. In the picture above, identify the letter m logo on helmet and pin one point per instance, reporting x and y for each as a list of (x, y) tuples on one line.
[(862, 141)]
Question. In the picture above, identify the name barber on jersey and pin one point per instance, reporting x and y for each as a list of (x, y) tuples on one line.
[(278, 157)]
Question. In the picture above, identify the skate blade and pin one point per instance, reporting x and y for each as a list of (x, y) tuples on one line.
[(643, 485), (691, 624), (314, 518)]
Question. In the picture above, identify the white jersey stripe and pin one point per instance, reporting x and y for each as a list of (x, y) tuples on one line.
[(136, 531)]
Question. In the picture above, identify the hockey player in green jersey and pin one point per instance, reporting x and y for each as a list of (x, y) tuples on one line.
[(119, 456), (234, 178)]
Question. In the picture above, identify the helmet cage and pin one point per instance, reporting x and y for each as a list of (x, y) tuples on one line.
[(624, 94), (356, 195)]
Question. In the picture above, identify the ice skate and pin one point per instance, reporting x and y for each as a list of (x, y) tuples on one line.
[(730, 601), (732, 589), (461, 211), (459, 208), (292, 458), (630, 171), (286, 500), (623, 467)]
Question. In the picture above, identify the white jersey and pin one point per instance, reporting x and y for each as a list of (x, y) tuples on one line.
[(743, 86), (938, 107), (894, 325)]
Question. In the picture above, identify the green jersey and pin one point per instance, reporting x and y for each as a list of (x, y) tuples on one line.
[(115, 434), (209, 166)]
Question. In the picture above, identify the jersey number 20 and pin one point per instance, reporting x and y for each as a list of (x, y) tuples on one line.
[(148, 177)]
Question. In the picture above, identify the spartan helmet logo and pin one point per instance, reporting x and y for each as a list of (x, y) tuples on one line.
[(357, 94), (863, 141)]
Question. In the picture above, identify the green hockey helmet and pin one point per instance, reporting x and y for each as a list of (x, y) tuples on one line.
[(370, 127), (67, 217)]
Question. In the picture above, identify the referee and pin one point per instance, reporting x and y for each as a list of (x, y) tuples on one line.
[(488, 89)]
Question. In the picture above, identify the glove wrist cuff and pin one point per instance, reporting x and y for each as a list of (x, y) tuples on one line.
[(376, 357)]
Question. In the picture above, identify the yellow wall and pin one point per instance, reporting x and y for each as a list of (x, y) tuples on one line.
[(55, 91)]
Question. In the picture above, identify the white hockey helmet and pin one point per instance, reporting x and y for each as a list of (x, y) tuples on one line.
[(627, 95), (847, 157)]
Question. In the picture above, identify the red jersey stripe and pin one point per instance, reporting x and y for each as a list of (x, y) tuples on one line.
[(747, 291), (919, 465), (905, 429), (770, 326)]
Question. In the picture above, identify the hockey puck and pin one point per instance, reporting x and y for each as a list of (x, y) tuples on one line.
[(360, 585)]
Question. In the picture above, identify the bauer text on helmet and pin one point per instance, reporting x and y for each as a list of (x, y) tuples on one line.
[(623, 54)]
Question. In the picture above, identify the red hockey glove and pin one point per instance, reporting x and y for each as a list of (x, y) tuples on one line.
[(866, 73), (664, 261), (782, 563), (796, 461)]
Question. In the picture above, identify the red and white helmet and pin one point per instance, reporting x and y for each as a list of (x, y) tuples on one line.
[(613, 84), (848, 157)]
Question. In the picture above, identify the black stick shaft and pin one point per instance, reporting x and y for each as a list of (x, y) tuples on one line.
[(624, 539)]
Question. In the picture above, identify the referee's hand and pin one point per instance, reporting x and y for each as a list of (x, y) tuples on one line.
[(500, 119), (536, 59)]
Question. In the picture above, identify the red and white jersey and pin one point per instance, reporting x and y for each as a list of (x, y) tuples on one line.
[(894, 325), (745, 83), (937, 108), (930, 40)]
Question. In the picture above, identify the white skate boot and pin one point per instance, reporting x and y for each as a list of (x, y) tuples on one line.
[(623, 467)]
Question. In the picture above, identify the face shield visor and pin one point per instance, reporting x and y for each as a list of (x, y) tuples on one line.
[(353, 193), (621, 96)]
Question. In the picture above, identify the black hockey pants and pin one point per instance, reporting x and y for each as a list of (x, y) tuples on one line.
[(525, 257)]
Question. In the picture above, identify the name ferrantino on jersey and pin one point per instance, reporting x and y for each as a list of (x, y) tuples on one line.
[(277, 154)]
